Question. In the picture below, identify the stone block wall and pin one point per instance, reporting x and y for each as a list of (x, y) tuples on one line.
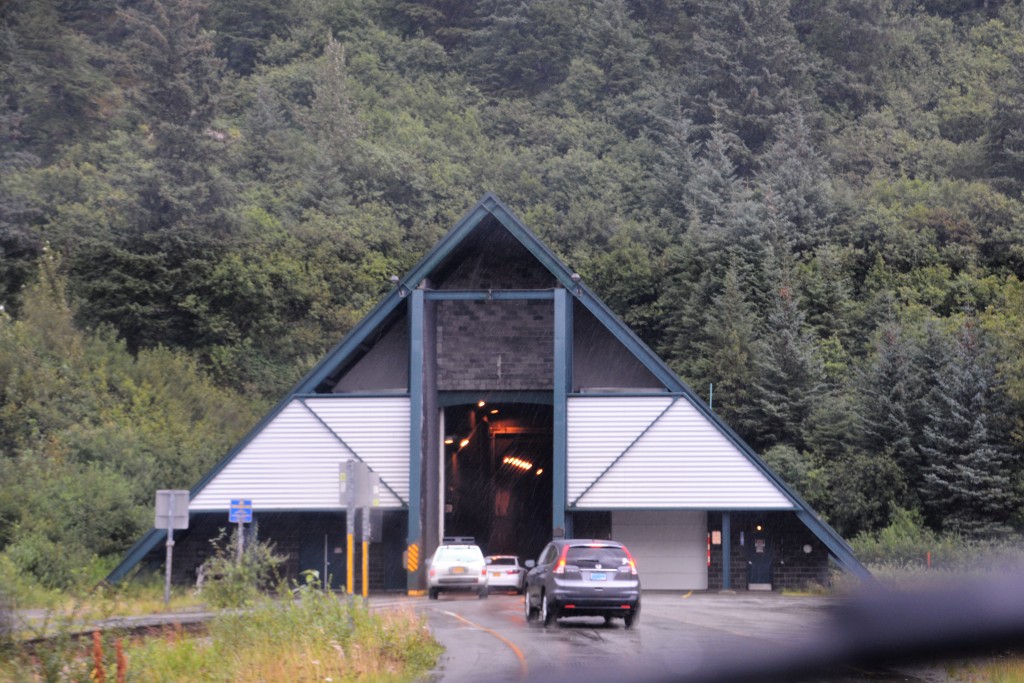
[(495, 345), (792, 567)]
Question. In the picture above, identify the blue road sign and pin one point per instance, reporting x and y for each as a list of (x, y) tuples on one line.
[(241, 511)]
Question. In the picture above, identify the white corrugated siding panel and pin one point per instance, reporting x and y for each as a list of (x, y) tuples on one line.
[(670, 546), (293, 463), (682, 461)]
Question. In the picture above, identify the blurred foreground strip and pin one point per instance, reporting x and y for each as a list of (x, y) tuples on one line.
[(876, 628)]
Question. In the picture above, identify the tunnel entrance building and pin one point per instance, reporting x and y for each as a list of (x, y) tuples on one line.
[(497, 397)]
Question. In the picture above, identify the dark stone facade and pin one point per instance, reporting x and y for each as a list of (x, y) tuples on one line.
[(791, 566), (495, 346), (302, 539)]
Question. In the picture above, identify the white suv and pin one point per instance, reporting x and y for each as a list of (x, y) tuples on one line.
[(458, 566)]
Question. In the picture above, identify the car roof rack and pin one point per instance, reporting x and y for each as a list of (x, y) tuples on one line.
[(458, 540)]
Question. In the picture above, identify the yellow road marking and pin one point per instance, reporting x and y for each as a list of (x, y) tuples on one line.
[(687, 595), (523, 668)]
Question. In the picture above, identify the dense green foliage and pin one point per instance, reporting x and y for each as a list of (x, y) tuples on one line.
[(815, 207)]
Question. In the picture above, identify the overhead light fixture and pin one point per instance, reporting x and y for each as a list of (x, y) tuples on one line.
[(518, 462), (540, 471), (494, 412), (481, 404), (463, 443), (449, 441)]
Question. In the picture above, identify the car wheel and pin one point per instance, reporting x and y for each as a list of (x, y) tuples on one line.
[(482, 594), (432, 593), (548, 614), (632, 617), (531, 611)]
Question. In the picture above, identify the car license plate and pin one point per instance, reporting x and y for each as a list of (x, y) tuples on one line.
[(458, 570), (598, 576), (495, 573)]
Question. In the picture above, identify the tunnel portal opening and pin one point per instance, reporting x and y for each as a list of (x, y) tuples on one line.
[(497, 476)]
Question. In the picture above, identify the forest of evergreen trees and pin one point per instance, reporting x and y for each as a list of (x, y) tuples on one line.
[(817, 207)]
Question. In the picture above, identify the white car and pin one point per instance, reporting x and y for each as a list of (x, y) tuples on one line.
[(505, 571), (457, 567)]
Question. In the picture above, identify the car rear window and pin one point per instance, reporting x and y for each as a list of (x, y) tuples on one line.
[(589, 557), (503, 560), (464, 554)]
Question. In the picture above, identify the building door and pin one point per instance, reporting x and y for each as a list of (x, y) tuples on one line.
[(759, 560)]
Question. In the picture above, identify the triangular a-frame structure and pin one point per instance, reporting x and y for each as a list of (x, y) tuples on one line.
[(495, 395)]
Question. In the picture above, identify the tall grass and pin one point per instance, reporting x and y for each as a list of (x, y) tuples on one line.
[(318, 637), (315, 637)]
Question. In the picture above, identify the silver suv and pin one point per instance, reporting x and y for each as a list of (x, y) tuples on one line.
[(581, 578), (458, 566)]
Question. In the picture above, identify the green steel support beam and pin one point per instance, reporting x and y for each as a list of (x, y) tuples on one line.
[(414, 538), (562, 384), (486, 295)]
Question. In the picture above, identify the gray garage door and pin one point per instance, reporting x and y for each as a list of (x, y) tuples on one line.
[(669, 546)]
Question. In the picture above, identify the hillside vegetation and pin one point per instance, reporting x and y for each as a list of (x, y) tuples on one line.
[(815, 207)]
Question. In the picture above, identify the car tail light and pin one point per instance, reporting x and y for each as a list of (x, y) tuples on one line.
[(632, 564), (433, 572), (483, 570), (560, 566)]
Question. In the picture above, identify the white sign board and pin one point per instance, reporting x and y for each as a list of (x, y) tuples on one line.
[(171, 509)]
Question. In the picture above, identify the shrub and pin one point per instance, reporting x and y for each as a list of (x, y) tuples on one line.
[(228, 582)]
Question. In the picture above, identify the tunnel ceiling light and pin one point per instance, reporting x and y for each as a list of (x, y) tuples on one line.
[(518, 462), (494, 412), (463, 443), (481, 404), (449, 441), (540, 471)]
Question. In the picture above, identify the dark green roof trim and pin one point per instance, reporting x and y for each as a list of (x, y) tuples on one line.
[(835, 543), (136, 554)]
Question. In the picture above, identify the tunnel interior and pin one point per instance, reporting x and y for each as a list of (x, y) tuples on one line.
[(497, 476)]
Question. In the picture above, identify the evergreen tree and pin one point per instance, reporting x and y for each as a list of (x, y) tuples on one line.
[(890, 391), (1004, 139), (523, 48), (51, 76), (243, 29), (725, 217), (749, 73), (788, 377), (796, 189), (729, 348), (967, 485)]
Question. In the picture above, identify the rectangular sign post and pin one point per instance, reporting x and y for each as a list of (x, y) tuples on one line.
[(171, 513), (360, 488), (348, 496), (372, 491), (240, 513)]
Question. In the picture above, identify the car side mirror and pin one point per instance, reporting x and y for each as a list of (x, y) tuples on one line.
[(530, 564)]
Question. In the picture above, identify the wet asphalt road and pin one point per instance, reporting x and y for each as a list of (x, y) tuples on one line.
[(680, 637)]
